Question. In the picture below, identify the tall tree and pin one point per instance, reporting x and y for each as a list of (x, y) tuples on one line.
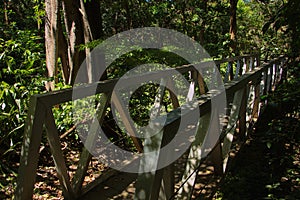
[(233, 26), (51, 24), (79, 25)]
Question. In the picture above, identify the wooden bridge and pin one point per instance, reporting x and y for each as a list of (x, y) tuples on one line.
[(246, 79)]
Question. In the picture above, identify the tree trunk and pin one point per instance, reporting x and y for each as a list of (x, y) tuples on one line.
[(6, 20), (51, 36), (233, 26), (203, 24), (87, 38), (63, 52), (79, 24), (74, 34)]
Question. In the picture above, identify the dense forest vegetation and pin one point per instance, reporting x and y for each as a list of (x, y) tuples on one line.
[(43, 43)]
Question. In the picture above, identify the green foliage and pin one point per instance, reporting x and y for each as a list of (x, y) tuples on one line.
[(271, 27), (21, 76), (285, 20)]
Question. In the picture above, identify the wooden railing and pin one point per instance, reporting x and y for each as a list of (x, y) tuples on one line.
[(245, 81)]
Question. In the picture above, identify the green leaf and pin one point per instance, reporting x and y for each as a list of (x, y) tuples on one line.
[(269, 144)]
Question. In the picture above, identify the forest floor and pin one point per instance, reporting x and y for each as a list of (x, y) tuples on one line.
[(267, 166)]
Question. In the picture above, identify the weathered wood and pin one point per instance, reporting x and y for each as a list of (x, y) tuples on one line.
[(247, 65), (216, 157), (229, 132), (41, 103), (193, 159), (148, 184), (85, 156), (60, 164), (265, 81), (255, 110), (61, 96), (169, 181), (173, 97), (129, 126), (197, 77), (191, 92), (243, 115), (228, 71), (251, 65), (238, 69), (270, 79), (257, 60), (30, 149), (232, 59)]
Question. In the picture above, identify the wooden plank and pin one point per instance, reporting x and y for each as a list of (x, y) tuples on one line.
[(251, 65), (129, 126), (213, 150), (148, 184), (270, 79), (265, 81), (231, 72), (58, 157), (166, 175), (234, 113), (61, 96), (173, 97), (191, 92), (217, 160), (232, 59), (228, 70), (30, 149), (85, 156), (243, 115), (255, 110), (197, 77), (247, 65), (155, 110), (258, 60), (244, 66), (169, 181), (193, 160), (238, 69), (276, 74)]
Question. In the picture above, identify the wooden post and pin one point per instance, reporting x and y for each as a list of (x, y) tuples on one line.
[(30, 149), (265, 81), (127, 123), (228, 72), (251, 63), (60, 164), (237, 71), (193, 159), (197, 77), (270, 79), (229, 132), (242, 115), (173, 97), (148, 185), (216, 154), (255, 109), (216, 157)]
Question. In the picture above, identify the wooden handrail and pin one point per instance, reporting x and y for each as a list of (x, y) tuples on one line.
[(40, 112)]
